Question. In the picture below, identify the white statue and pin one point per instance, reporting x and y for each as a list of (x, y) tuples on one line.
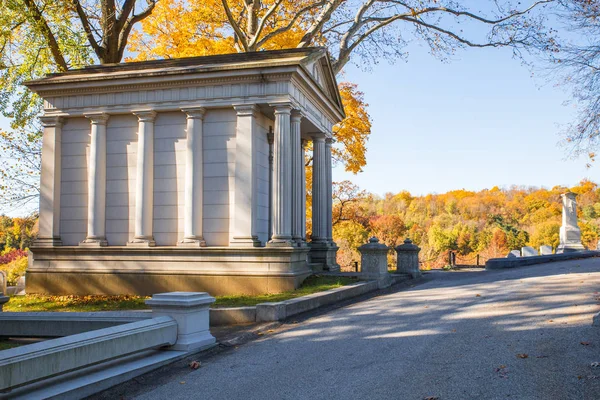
[(570, 234)]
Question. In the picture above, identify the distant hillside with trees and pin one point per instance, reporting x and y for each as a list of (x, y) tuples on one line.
[(489, 222)]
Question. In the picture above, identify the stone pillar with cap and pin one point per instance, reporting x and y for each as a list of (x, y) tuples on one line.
[(191, 311), (373, 262), (407, 261)]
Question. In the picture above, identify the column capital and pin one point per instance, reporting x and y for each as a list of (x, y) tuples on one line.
[(51, 121), (194, 113), (297, 115), (97, 118), (282, 108), (318, 137), (329, 141), (145, 115), (246, 110)]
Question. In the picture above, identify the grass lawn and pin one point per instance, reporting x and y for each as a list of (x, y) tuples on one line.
[(7, 344), (32, 303)]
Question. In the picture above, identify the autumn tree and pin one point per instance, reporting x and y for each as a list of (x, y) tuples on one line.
[(38, 37)]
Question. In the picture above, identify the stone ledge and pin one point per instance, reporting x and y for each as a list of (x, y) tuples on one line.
[(513, 262)]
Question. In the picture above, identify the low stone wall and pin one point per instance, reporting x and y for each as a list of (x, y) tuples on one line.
[(59, 324), (513, 262)]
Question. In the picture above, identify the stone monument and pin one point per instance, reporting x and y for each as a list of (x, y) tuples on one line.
[(570, 235), (528, 251), (185, 175)]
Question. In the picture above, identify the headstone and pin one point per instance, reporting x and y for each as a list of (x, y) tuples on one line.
[(20, 288), (3, 282), (570, 234), (407, 260), (528, 251), (513, 253), (373, 262), (3, 300), (545, 250)]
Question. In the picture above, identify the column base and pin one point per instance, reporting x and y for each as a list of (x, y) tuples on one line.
[(48, 241), (324, 253), (245, 241), (192, 242), (142, 242), (94, 242), (281, 243)]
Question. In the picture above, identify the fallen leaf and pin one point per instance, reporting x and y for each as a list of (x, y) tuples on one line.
[(522, 355), (182, 382), (260, 333), (585, 343), (550, 320), (195, 364), (271, 330), (478, 295), (579, 377), (453, 331)]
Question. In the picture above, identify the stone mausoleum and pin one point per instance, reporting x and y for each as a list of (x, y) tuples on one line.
[(185, 174)]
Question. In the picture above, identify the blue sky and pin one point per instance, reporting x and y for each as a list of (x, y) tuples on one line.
[(478, 121)]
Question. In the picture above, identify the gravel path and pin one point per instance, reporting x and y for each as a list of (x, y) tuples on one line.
[(513, 334)]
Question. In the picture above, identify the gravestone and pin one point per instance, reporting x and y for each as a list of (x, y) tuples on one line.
[(570, 234), (513, 253), (3, 282), (528, 251), (545, 250)]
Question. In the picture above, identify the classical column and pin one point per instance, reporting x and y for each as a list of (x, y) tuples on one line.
[(96, 216), (270, 139), (282, 176), (303, 195), (245, 207), (319, 191), (329, 186), (144, 185), (297, 182), (49, 233), (194, 180)]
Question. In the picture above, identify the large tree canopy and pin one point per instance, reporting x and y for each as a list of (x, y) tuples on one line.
[(43, 36)]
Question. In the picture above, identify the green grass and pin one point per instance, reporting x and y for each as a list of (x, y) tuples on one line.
[(34, 303), (312, 284), (5, 345)]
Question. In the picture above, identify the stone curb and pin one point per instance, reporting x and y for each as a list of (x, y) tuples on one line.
[(501, 263), (278, 311)]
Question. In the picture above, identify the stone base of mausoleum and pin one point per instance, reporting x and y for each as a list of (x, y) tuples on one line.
[(113, 270), (325, 255)]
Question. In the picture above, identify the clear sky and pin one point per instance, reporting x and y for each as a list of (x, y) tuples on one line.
[(474, 123)]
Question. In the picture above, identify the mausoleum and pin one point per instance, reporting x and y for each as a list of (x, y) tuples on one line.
[(185, 175)]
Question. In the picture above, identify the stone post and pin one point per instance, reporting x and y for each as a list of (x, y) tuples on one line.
[(570, 234), (191, 311), (282, 179), (96, 176), (49, 221), (407, 260), (144, 185), (373, 261), (194, 180)]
